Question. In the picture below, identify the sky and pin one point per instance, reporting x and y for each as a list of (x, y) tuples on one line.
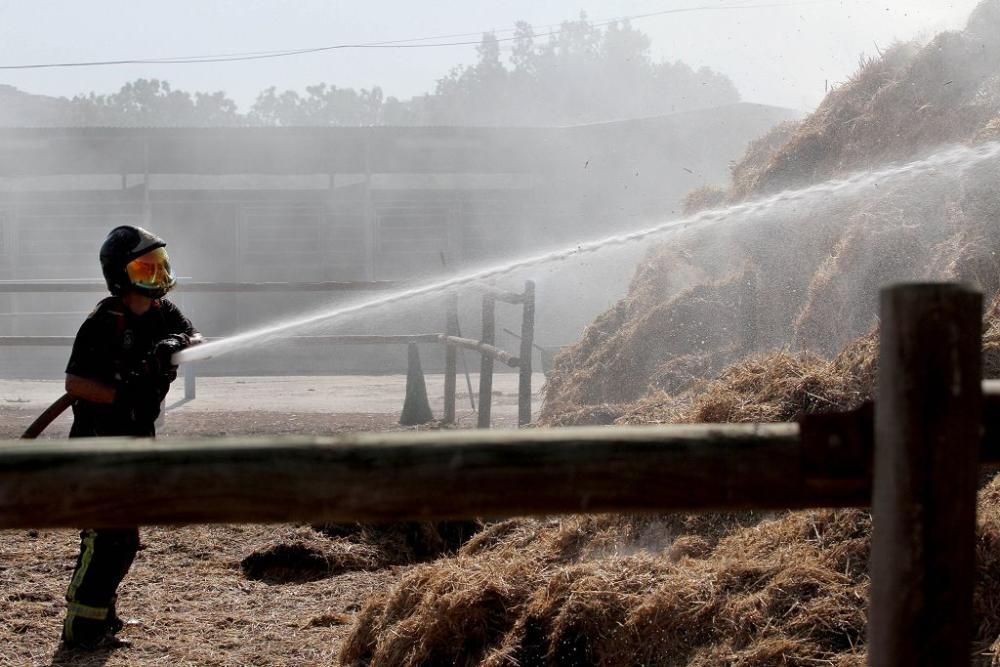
[(780, 52)]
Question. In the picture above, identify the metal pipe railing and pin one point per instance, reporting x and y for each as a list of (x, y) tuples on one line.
[(91, 286)]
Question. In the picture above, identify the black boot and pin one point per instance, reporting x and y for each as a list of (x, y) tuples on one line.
[(90, 635)]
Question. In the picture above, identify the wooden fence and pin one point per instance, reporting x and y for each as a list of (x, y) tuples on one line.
[(485, 347)]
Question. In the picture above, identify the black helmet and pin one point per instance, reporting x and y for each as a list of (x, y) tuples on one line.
[(134, 259)]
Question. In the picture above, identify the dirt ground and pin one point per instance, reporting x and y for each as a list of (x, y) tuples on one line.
[(298, 396), (189, 599), (190, 603)]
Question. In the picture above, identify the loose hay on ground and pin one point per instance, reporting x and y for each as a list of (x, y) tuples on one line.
[(794, 582), (693, 591)]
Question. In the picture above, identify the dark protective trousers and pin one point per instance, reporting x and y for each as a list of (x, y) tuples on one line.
[(105, 558)]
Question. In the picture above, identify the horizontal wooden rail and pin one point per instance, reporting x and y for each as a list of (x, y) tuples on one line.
[(396, 476), (363, 339), (43, 286), (48, 313), (507, 297), (415, 475), (36, 341), (481, 347), (360, 286)]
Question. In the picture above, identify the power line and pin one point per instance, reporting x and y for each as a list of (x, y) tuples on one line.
[(413, 43)]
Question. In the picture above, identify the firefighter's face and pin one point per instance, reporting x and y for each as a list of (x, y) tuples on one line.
[(139, 304), (152, 271)]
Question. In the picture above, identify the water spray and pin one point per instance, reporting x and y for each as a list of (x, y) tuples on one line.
[(954, 159)]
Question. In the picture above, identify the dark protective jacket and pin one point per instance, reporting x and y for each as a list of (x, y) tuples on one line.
[(112, 344)]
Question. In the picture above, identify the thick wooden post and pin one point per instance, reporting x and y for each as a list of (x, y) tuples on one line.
[(927, 429), (450, 359), (486, 364), (527, 350)]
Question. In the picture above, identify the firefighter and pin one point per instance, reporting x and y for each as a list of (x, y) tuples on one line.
[(118, 375)]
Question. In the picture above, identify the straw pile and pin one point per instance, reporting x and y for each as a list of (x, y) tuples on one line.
[(623, 351), (748, 171), (303, 554), (310, 553), (748, 591), (778, 387), (898, 105), (706, 197), (701, 303), (679, 590)]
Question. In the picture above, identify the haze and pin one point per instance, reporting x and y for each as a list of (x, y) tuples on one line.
[(748, 40)]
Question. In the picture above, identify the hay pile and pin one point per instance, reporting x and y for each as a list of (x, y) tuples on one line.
[(630, 345), (308, 553), (883, 243), (705, 197), (896, 106), (778, 387), (302, 554), (743, 592), (817, 289), (748, 171), (676, 590)]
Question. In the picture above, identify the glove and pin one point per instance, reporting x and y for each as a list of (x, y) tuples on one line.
[(162, 359)]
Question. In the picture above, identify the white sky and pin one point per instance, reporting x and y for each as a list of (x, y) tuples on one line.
[(775, 55)]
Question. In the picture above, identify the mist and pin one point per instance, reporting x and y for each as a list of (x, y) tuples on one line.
[(667, 224), (549, 137), (514, 154)]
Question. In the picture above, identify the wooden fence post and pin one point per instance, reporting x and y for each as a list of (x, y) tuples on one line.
[(450, 359), (527, 351), (927, 429), (486, 364)]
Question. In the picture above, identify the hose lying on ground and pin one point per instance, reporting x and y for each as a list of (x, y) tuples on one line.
[(47, 417)]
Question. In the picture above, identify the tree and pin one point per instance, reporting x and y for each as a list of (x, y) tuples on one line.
[(151, 102), (322, 105), (581, 74)]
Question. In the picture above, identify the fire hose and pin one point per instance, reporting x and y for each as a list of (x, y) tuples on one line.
[(47, 417), (59, 406)]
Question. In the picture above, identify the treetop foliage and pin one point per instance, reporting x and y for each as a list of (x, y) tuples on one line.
[(581, 74)]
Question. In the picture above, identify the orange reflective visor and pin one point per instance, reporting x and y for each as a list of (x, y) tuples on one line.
[(151, 271)]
